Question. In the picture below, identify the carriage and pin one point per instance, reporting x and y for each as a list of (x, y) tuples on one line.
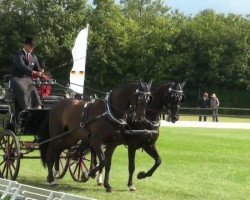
[(19, 132), (78, 159)]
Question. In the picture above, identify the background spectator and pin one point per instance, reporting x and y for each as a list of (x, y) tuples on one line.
[(203, 106), (214, 102)]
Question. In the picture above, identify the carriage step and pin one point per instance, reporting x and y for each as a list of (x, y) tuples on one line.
[(29, 144)]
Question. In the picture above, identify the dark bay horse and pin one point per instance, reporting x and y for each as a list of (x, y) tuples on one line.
[(165, 97), (95, 123)]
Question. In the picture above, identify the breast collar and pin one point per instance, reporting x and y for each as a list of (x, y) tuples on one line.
[(109, 112)]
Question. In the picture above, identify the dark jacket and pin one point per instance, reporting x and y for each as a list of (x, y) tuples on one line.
[(203, 103), (24, 91), (23, 67)]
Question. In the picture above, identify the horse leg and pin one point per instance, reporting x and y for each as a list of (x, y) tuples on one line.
[(57, 155), (151, 150), (108, 155), (98, 151), (57, 161), (131, 168), (94, 163), (50, 162)]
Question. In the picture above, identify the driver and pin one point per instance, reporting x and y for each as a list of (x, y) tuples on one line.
[(25, 66)]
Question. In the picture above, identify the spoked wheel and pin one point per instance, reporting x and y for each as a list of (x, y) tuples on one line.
[(63, 164), (79, 165), (9, 155)]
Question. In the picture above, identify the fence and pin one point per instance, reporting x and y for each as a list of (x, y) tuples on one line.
[(15, 191), (223, 111)]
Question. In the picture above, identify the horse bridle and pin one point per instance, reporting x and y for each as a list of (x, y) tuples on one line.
[(171, 94), (167, 108), (142, 96)]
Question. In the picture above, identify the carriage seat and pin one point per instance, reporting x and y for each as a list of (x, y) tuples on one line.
[(48, 101), (4, 109), (52, 98)]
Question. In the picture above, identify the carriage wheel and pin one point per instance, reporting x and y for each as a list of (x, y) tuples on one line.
[(9, 126), (79, 165), (63, 164), (9, 155)]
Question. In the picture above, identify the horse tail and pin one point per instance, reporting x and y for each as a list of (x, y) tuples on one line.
[(44, 135)]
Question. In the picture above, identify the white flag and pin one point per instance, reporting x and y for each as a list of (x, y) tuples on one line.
[(79, 52)]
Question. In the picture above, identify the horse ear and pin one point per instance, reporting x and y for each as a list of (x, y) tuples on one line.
[(183, 84), (141, 84), (150, 84)]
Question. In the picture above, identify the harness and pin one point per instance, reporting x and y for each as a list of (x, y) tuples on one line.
[(153, 124), (107, 113), (167, 108)]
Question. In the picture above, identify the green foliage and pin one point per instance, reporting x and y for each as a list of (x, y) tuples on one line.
[(54, 25), (132, 40)]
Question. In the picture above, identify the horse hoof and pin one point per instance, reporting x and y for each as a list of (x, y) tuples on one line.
[(141, 175), (109, 189), (53, 184), (99, 179), (85, 177), (132, 188)]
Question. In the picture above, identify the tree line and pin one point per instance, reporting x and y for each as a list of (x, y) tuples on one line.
[(133, 40)]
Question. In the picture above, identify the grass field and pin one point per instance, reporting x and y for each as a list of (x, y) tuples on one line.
[(196, 164)]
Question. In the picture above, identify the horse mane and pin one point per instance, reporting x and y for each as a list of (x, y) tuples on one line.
[(124, 82), (170, 83)]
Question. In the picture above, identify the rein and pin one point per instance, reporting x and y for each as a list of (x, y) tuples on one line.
[(56, 137)]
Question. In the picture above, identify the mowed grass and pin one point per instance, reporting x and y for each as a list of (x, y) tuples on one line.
[(196, 164)]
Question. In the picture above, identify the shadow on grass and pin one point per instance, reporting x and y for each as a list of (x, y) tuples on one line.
[(64, 187)]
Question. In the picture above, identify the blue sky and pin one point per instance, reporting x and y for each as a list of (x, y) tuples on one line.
[(220, 6)]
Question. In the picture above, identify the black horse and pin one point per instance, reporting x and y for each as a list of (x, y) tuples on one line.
[(95, 123), (165, 97)]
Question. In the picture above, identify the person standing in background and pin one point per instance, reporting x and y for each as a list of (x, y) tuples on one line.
[(203, 106), (214, 103)]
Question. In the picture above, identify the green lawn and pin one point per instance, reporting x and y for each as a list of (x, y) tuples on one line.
[(196, 164)]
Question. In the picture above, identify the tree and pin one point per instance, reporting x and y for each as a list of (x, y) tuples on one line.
[(54, 25)]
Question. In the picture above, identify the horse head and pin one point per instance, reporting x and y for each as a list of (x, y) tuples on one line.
[(173, 97), (141, 97), (131, 99)]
